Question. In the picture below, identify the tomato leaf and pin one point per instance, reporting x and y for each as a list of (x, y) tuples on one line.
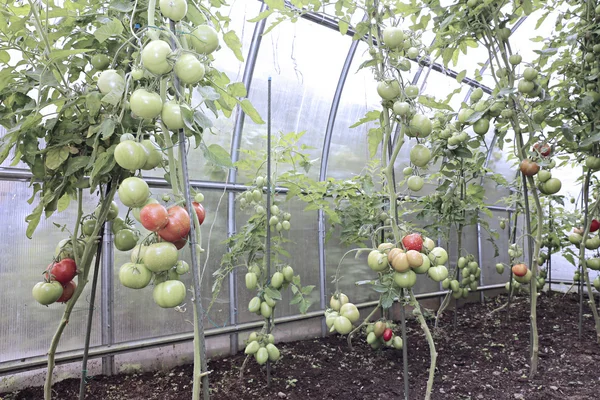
[(58, 54), (250, 111), (75, 164), (202, 120), (369, 116), (430, 102), (112, 28), (93, 103), (33, 219), (237, 89), (107, 128), (343, 27), (272, 293), (217, 155), (262, 15), (56, 156), (7, 142), (63, 202), (123, 6), (374, 138), (461, 75), (208, 93), (233, 42)]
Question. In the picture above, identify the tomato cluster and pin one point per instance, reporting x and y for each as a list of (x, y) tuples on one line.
[(58, 285)]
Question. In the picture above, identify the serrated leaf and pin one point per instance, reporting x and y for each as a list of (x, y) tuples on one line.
[(123, 6), (374, 138), (262, 15), (63, 202), (56, 156), (218, 155), (107, 128), (369, 116), (208, 93), (112, 28), (233, 42), (306, 290), (272, 293), (202, 120), (476, 116), (250, 111), (93, 103), (430, 102), (592, 139), (33, 219), (58, 54), (237, 89), (296, 299), (343, 27), (75, 164), (461, 75), (463, 152)]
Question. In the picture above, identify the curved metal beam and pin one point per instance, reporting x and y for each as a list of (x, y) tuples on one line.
[(235, 148), (323, 172)]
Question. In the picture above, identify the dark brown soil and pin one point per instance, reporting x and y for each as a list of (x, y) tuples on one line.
[(484, 358)]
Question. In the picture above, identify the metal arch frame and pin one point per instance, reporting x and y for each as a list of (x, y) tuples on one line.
[(235, 147)]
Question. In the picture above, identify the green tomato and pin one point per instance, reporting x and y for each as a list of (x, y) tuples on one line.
[(438, 256), (126, 239), (130, 155), (254, 305), (393, 37), (261, 356), (350, 311), (415, 183), (544, 175), (592, 163), (189, 69), (551, 186), (504, 33), (530, 74), (251, 281), (342, 325), (154, 158), (169, 294), (257, 195), (476, 95), (420, 126), (277, 280), (266, 310), (273, 351), (401, 108), (288, 273), (420, 155), (171, 116), (377, 261), (113, 211), (47, 292), (515, 59), (100, 61), (110, 80), (134, 276), (481, 126), (388, 90), (412, 91), (286, 225), (204, 39), (464, 114), (199, 197), (252, 347), (133, 192), (137, 74), (405, 279), (155, 57), (173, 9), (438, 273), (424, 266), (412, 53), (87, 226), (407, 171), (404, 65), (145, 104), (526, 86), (160, 257)]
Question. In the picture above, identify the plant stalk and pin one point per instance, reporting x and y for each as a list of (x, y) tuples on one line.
[(432, 351)]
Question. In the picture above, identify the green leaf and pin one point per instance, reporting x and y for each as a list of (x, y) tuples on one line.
[(463, 152), (237, 89), (369, 116), (276, 4), (343, 27), (202, 120), (430, 102), (7, 142), (33, 219), (262, 15), (63, 202), (250, 111), (75, 164), (374, 138), (113, 28), (208, 93), (123, 6), (93, 103), (461, 75), (56, 156), (218, 155), (476, 116), (272, 293), (306, 290), (527, 6), (58, 54), (592, 139), (233, 42), (107, 128)]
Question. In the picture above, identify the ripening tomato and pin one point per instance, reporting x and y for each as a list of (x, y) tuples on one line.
[(154, 216), (529, 168), (178, 225), (68, 290), (544, 149), (595, 225), (62, 271), (200, 211), (414, 241), (519, 269)]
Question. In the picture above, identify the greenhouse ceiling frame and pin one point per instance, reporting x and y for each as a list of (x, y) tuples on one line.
[(108, 349)]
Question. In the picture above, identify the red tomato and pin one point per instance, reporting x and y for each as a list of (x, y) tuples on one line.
[(154, 216), (519, 269), (529, 168), (68, 290), (414, 241), (180, 243), (387, 334), (199, 211), (595, 225), (62, 271), (543, 148), (178, 225)]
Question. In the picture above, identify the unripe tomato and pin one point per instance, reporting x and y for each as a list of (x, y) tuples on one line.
[(204, 39), (515, 59), (254, 305), (412, 91), (350, 311), (261, 356), (251, 281), (342, 325), (173, 9), (420, 155), (133, 192), (476, 95), (420, 126), (526, 86), (388, 90), (87, 226), (377, 261), (145, 104), (189, 69), (154, 57), (401, 108), (277, 280), (530, 74), (273, 351), (160, 257), (438, 273), (265, 310), (438, 256), (134, 276), (130, 155), (137, 74), (481, 126), (154, 158), (100, 61), (412, 53), (336, 302), (252, 347), (288, 273), (126, 239), (171, 116), (425, 265), (406, 279), (110, 80), (47, 292), (415, 183), (393, 37), (544, 175), (169, 294)]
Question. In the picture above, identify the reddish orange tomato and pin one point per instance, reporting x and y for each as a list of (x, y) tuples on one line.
[(519, 269), (178, 225), (529, 168)]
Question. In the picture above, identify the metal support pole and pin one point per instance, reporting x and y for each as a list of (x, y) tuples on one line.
[(269, 182), (106, 299), (550, 252), (323, 175), (404, 347), (235, 147)]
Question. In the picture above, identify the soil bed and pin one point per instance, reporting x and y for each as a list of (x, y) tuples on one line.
[(484, 358)]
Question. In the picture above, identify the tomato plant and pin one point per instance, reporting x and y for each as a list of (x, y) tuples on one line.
[(62, 271)]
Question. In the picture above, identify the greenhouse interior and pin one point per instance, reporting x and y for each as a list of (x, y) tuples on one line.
[(300, 199)]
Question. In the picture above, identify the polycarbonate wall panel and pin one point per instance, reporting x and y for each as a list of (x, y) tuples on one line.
[(490, 276), (27, 327), (302, 86), (304, 258), (131, 324)]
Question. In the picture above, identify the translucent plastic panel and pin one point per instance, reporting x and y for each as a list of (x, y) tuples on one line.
[(349, 152), (488, 268), (304, 78), (304, 258), (131, 324), (27, 327)]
